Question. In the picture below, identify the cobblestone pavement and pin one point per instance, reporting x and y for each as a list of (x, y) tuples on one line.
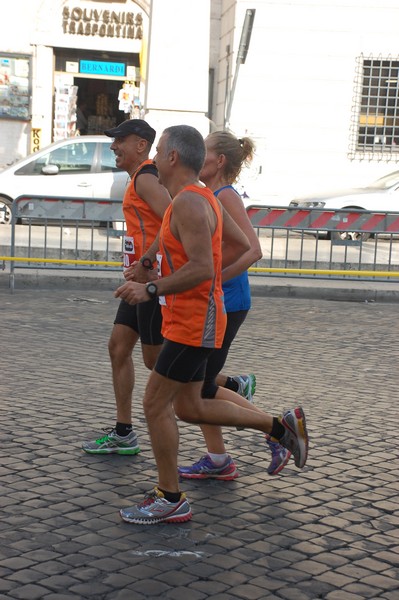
[(330, 531)]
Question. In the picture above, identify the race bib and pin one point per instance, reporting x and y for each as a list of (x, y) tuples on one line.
[(128, 251), (161, 299)]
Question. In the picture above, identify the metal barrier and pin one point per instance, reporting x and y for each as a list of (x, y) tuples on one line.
[(86, 234), (74, 234), (333, 244)]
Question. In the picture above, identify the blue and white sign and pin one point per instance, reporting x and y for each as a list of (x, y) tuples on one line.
[(94, 67)]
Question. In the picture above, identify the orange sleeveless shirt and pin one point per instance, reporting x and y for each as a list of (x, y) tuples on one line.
[(196, 317), (142, 224)]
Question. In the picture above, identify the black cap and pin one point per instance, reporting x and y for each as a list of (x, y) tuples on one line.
[(136, 126)]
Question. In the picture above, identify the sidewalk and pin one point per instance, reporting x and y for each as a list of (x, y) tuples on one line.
[(261, 285), (330, 531)]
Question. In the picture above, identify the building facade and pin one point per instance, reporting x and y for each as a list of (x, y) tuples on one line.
[(317, 91), (68, 60), (81, 66)]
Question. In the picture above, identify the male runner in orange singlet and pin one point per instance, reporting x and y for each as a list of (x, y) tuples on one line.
[(144, 204), (190, 293)]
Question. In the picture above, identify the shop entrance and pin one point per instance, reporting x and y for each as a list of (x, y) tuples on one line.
[(89, 87), (97, 105)]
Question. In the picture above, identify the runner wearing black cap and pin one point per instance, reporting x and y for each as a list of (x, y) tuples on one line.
[(144, 204)]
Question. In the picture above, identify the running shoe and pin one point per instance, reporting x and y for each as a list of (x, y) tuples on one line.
[(246, 386), (280, 456), (295, 438), (112, 443), (206, 469), (155, 509)]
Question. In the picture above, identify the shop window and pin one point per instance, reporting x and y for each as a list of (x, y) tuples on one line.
[(375, 122), (14, 86)]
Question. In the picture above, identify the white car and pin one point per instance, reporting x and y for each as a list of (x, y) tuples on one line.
[(79, 167), (380, 196)]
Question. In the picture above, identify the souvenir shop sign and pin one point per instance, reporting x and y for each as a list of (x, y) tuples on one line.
[(102, 23), (14, 86)]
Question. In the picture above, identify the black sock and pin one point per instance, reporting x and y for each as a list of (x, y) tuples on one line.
[(231, 384), (277, 429), (123, 429), (171, 496)]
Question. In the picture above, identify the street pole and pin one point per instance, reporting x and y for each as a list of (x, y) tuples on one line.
[(241, 57)]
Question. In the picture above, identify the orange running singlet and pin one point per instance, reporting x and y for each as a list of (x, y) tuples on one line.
[(196, 317), (142, 224)]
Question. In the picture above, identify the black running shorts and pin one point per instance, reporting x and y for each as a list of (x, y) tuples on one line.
[(218, 357), (145, 318), (181, 362)]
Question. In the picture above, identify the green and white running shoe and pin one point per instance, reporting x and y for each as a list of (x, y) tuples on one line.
[(246, 385), (111, 443), (246, 388)]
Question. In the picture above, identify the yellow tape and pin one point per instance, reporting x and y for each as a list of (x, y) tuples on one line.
[(250, 270), (63, 261), (325, 272)]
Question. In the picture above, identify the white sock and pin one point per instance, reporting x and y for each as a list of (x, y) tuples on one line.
[(218, 459)]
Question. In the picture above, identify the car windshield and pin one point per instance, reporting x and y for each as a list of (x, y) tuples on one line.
[(385, 182)]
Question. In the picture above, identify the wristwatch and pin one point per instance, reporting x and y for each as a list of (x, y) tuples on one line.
[(147, 263), (152, 289)]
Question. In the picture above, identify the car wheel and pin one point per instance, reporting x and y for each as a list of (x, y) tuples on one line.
[(354, 236), (5, 211)]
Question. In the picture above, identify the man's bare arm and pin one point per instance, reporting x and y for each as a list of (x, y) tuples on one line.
[(192, 224), (158, 199), (153, 193)]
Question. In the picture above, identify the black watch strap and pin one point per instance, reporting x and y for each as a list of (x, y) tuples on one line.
[(147, 263), (152, 289)]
